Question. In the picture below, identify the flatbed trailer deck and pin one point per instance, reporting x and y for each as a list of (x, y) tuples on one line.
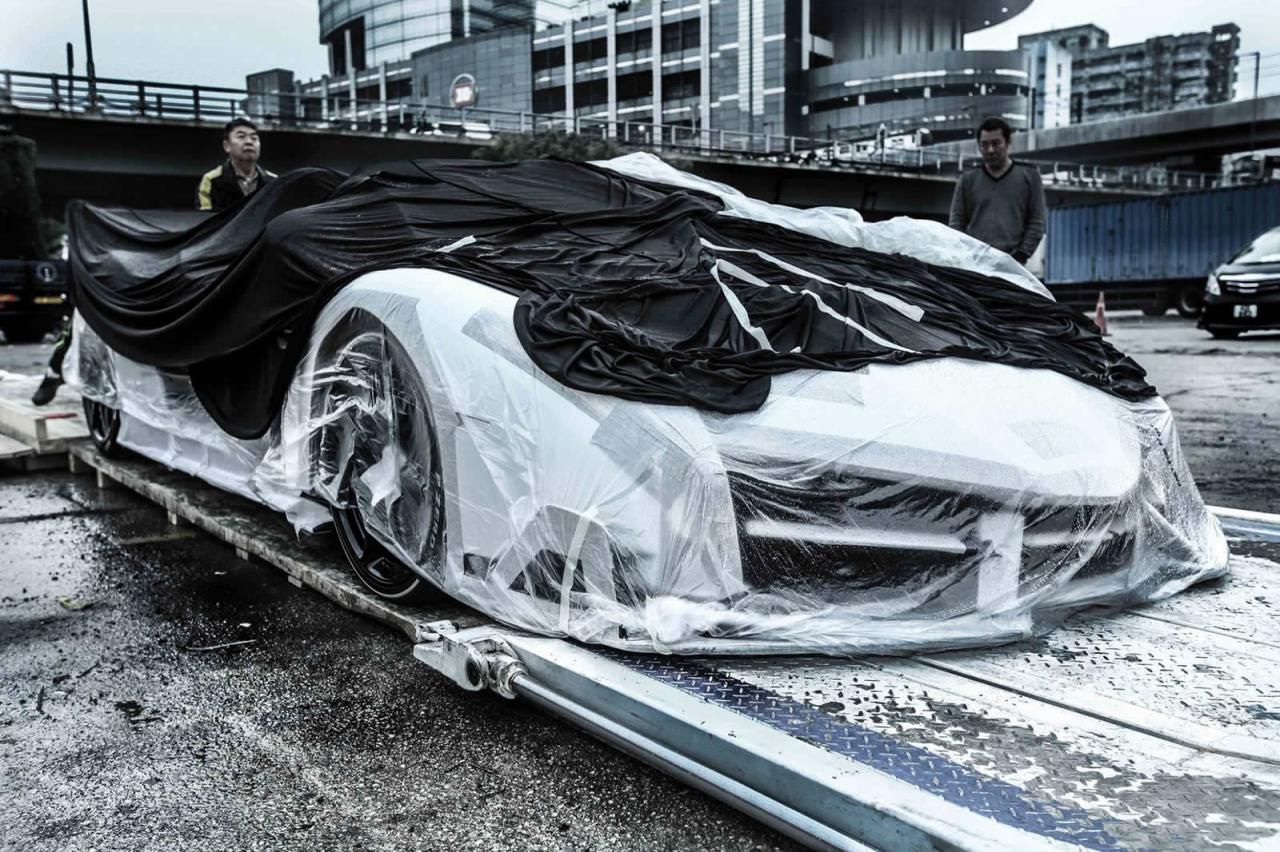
[(1154, 728)]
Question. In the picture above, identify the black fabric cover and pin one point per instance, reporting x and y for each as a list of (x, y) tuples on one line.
[(616, 278)]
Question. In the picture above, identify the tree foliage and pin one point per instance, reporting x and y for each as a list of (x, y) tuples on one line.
[(22, 235), (510, 147)]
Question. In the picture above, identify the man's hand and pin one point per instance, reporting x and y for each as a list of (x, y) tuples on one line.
[(1020, 256)]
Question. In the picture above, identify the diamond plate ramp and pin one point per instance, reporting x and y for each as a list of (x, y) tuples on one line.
[(1199, 687), (1141, 792), (1245, 604)]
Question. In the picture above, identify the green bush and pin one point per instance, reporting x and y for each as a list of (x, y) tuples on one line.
[(22, 236), (510, 147), (54, 234)]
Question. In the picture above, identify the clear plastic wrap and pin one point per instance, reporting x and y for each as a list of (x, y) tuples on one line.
[(941, 503)]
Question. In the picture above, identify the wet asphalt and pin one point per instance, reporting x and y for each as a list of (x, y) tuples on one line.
[(124, 725), (1225, 396)]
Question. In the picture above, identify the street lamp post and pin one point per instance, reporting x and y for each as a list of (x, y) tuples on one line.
[(88, 58), (1253, 123), (71, 78)]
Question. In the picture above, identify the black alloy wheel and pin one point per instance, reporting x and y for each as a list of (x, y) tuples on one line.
[(374, 368), (380, 571), (104, 427)]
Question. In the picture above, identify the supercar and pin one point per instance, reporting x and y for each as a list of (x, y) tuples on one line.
[(942, 502)]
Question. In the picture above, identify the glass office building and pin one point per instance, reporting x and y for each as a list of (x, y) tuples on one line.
[(377, 31), (830, 69), (821, 68)]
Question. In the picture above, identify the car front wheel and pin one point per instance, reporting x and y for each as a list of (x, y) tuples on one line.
[(378, 450)]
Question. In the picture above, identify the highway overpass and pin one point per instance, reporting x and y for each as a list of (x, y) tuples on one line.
[(145, 144), (1196, 137), (154, 162)]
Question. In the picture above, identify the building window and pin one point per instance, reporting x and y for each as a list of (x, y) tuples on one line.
[(549, 100), (401, 89), (589, 51), (548, 58), (591, 93), (680, 36), (686, 84), (635, 41), (633, 87)]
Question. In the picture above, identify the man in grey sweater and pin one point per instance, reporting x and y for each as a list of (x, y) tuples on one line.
[(1002, 202)]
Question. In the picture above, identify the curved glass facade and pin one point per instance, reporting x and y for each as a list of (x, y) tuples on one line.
[(391, 30), (946, 92)]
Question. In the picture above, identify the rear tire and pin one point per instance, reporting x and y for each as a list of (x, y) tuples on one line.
[(1190, 301), (16, 331), (1158, 305), (104, 427), (371, 365)]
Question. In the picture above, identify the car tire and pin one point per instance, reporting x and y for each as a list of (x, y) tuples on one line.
[(1157, 305), (104, 427), (420, 521), (1224, 333), (25, 332), (1190, 301)]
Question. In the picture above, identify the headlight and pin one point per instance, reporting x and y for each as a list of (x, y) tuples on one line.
[(1211, 286)]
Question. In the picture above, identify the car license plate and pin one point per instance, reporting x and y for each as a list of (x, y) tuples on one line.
[(1246, 312)]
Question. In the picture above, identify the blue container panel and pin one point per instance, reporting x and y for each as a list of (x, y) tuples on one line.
[(1185, 235)]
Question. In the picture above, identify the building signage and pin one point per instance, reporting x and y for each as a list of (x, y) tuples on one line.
[(463, 91)]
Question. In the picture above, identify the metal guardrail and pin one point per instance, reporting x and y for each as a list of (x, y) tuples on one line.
[(336, 110)]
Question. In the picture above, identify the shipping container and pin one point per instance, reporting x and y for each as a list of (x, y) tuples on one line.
[(1153, 252)]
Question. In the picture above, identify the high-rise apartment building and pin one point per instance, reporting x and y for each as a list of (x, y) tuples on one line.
[(1161, 73), (1050, 74)]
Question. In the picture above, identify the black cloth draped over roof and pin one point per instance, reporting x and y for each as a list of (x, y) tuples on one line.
[(639, 290)]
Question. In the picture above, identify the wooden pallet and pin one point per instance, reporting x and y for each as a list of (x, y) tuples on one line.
[(44, 430)]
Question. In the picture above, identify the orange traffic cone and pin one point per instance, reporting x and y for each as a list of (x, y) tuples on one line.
[(1100, 313)]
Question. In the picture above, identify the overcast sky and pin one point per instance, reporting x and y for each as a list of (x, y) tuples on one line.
[(217, 42)]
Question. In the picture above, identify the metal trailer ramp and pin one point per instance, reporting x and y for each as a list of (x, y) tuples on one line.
[(1152, 729)]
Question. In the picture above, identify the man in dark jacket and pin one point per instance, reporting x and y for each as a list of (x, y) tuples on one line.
[(240, 176), (226, 186), (1001, 202)]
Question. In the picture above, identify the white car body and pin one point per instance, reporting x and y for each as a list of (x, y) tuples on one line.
[(971, 470)]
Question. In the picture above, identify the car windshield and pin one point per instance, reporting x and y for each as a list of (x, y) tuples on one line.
[(1265, 249)]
